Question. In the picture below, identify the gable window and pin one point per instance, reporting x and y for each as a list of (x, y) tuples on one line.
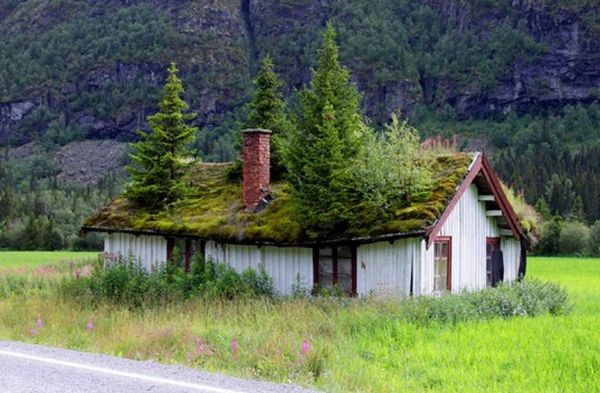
[(335, 267), (442, 264)]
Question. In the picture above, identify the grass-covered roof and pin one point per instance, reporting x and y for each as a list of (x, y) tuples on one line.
[(215, 210)]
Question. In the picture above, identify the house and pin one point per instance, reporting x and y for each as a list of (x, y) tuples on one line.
[(443, 241)]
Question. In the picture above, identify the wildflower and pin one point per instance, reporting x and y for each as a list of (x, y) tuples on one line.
[(90, 324), (32, 332), (234, 347), (202, 348), (39, 323), (305, 347)]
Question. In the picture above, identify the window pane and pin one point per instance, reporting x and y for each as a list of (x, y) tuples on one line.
[(344, 271), (444, 251), (344, 252), (325, 252), (326, 272)]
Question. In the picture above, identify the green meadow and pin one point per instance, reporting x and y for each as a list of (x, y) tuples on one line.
[(33, 259), (337, 345)]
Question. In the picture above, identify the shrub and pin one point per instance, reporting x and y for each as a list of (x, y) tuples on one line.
[(129, 284), (521, 298), (574, 238), (595, 238)]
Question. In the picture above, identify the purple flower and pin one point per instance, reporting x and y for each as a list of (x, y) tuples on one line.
[(32, 332), (39, 323), (305, 347), (234, 347), (90, 324)]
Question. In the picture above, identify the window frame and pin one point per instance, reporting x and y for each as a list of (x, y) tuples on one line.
[(494, 242), (334, 265), (438, 241)]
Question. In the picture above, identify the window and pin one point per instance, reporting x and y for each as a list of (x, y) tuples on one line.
[(442, 264), (492, 243), (335, 267)]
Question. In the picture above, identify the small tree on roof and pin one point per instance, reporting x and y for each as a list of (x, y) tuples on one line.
[(325, 140), (159, 157), (267, 110)]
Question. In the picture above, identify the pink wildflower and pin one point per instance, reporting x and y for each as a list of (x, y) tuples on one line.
[(234, 347), (32, 332), (203, 349), (39, 323), (305, 347), (90, 324)]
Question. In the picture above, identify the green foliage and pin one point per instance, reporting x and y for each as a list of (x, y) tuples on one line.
[(158, 168), (574, 238), (38, 212), (127, 283), (595, 238), (267, 111), (326, 138), (521, 298)]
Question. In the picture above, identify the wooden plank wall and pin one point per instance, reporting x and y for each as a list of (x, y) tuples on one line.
[(149, 250), (283, 264), (384, 268)]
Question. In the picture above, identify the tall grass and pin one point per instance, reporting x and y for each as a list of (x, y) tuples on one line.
[(434, 344)]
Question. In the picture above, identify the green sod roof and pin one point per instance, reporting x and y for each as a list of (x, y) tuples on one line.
[(215, 211)]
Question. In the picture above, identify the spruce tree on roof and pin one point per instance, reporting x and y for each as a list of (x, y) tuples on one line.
[(159, 157), (267, 110), (325, 140)]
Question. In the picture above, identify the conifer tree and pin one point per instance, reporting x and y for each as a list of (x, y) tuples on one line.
[(267, 111), (159, 157), (324, 141)]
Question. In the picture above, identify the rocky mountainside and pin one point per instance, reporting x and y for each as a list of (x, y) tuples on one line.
[(73, 69)]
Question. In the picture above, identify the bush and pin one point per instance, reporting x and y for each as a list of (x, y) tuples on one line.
[(521, 298), (595, 238), (574, 238), (128, 283)]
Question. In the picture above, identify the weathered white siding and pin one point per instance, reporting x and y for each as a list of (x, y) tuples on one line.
[(469, 226), (511, 250), (385, 268), (283, 264), (149, 250)]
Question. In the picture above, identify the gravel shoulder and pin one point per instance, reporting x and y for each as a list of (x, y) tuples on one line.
[(30, 368)]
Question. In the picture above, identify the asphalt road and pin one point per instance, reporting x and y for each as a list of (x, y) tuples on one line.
[(26, 368)]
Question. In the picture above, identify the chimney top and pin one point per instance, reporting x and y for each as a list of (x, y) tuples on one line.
[(256, 131)]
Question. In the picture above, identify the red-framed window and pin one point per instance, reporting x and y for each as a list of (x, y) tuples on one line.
[(335, 266), (491, 244), (442, 264)]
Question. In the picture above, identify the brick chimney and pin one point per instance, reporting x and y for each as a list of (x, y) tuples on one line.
[(256, 168)]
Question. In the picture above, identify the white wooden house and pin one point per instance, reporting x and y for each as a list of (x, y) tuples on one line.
[(444, 242)]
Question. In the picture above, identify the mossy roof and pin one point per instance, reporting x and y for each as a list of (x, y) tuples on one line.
[(215, 211)]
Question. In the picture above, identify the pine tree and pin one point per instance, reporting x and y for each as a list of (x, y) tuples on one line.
[(159, 157), (321, 146), (267, 110)]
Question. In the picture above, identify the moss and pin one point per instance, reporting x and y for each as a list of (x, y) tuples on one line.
[(215, 210)]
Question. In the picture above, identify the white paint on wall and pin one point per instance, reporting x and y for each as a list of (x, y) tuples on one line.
[(384, 268), (284, 264), (511, 250), (148, 250), (469, 226)]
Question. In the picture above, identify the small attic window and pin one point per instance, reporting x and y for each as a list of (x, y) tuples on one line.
[(335, 267)]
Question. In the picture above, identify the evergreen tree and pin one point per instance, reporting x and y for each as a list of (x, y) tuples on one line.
[(267, 111), (159, 157), (326, 139)]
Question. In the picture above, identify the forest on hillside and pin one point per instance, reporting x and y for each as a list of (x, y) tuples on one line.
[(517, 79)]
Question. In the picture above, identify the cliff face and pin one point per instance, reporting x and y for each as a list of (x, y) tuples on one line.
[(94, 68)]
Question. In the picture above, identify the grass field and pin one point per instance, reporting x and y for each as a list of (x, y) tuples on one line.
[(354, 346), (32, 259)]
